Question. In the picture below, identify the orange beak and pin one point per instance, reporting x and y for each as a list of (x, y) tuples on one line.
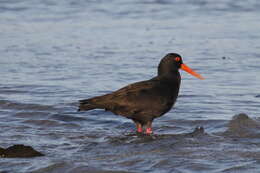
[(189, 70)]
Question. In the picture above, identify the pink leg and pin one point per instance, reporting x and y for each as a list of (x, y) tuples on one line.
[(139, 127), (149, 130)]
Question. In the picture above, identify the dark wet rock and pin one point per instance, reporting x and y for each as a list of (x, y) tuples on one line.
[(198, 131), (225, 57), (4, 172), (257, 96), (242, 125), (17, 151)]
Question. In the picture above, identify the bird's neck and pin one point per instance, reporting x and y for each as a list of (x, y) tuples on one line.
[(168, 73), (170, 82), (167, 70), (172, 78)]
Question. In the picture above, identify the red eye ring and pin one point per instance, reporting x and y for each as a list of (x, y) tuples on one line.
[(177, 59)]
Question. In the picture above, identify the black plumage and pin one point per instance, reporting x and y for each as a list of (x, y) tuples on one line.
[(146, 100)]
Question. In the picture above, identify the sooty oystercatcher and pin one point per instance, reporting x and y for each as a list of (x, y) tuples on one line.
[(146, 100)]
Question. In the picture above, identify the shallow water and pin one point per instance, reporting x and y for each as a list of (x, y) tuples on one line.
[(53, 53)]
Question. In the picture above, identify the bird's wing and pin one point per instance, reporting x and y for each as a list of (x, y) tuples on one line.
[(116, 98), (135, 99), (135, 88), (145, 97)]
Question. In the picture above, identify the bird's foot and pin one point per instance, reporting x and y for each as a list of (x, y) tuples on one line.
[(149, 131), (139, 130)]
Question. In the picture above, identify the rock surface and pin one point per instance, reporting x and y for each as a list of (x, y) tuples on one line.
[(19, 151)]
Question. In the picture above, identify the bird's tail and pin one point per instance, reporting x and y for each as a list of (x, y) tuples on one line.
[(85, 105)]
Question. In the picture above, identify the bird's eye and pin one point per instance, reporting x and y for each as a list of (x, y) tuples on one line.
[(177, 59)]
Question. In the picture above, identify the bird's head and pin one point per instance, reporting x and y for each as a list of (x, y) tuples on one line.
[(172, 62)]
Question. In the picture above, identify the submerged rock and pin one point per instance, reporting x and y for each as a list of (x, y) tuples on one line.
[(198, 131), (19, 151), (242, 125)]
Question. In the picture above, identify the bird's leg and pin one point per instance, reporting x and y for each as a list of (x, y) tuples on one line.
[(149, 130), (139, 127)]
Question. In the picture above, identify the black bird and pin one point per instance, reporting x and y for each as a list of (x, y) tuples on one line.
[(146, 100)]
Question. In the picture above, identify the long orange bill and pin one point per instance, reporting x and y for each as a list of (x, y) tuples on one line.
[(189, 70)]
